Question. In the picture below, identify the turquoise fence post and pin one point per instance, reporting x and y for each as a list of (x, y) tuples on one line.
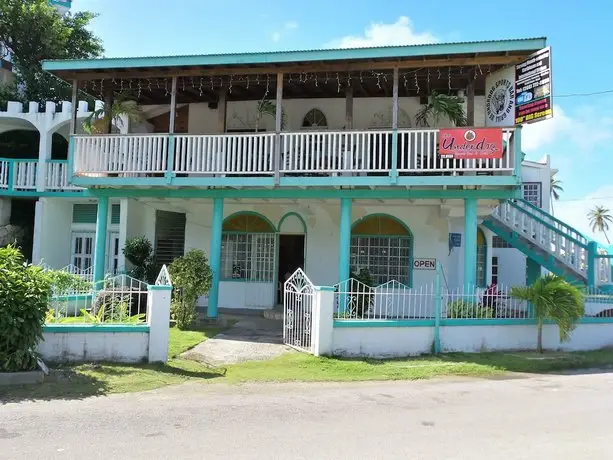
[(517, 153), (216, 234), (11, 175), (100, 246), (170, 164), (470, 244), (344, 270), (437, 309), (592, 252)]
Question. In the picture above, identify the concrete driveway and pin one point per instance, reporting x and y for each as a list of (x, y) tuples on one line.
[(252, 338), (544, 417)]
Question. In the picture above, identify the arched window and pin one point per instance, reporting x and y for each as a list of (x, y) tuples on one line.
[(481, 259), (383, 245), (248, 248), (314, 118)]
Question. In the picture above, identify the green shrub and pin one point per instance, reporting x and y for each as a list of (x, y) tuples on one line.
[(64, 283), (466, 309), (139, 252), (191, 278), (25, 291)]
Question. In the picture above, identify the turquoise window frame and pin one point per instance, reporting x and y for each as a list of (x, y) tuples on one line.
[(409, 281)]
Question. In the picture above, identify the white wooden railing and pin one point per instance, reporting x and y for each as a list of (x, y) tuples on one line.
[(56, 177), (526, 222), (133, 154), (4, 174), (24, 175), (305, 152), (220, 154)]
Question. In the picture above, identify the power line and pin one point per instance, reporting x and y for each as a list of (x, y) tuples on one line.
[(596, 93)]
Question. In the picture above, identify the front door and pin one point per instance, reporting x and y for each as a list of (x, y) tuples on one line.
[(291, 257)]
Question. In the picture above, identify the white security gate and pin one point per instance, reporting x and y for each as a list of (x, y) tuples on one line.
[(298, 311)]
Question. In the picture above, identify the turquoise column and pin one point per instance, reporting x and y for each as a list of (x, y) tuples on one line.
[(344, 248), (592, 271), (470, 243), (215, 257), (100, 246)]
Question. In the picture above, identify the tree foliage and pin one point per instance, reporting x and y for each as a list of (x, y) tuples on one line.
[(600, 220), (33, 31), (553, 299), (441, 106)]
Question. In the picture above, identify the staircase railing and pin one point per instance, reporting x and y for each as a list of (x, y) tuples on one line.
[(548, 233)]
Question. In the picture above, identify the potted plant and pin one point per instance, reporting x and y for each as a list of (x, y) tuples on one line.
[(99, 120)]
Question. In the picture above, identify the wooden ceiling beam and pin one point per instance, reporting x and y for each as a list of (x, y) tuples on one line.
[(291, 68)]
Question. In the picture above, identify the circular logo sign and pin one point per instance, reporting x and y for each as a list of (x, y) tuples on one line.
[(470, 135), (499, 102)]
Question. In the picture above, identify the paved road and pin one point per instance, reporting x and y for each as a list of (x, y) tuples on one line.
[(552, 417)]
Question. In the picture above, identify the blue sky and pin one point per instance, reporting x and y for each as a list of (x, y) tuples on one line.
[(578, 138)]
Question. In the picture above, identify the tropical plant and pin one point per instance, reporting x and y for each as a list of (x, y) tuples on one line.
[(553, 299), (32, 31), (64, 283), (463, 309), (139, 252), (191, 278), (441, 106), (600, 218), (25, 291), (267, 107), (555, 186), (99, 120)]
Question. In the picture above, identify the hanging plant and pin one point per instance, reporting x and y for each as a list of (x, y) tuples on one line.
[(441, 106)]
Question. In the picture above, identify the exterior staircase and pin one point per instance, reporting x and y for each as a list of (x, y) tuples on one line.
[(548, 241)]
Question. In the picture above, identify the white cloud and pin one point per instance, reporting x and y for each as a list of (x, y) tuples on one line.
[(584, 131), (574, 212), (287, 27), (398, 33)]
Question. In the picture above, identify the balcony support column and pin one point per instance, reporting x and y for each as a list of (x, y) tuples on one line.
[(100, 245), (171, 131), (470, 244), (216, 237), (278, 127), (344, 250), (349, 108), (394, 159), (470, 100)]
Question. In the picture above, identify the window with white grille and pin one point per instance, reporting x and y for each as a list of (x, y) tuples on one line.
[(385, 258), (82, 255), (499, 243), (532, 193), (248, 256), (481, 255)]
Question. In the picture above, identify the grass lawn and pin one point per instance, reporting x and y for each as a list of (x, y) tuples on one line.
[(99, 379)]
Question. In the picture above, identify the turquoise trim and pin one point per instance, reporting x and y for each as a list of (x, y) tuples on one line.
[(289, 214), (489, 322), (592, 268), (383, 323), (34, 194), (215, 258), (518, 155), (470, 243), (533, 271), (159, 287), (271, 58), (327, 181), (438, 300), (381, 214), (72, 297), (320, 193), (325, 288), (11, 176), (344, 247), (241, 280), (71, 149), (78, 328), (170, 166), (249, 213), (101, 229)]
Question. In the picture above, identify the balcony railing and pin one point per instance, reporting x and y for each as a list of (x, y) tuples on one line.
[(306, 153), (22, 176)]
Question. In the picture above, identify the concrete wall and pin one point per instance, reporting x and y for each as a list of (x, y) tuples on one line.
[(129, 347), (383, 342)]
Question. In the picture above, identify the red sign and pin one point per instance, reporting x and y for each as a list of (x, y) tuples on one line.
[(468, 144)]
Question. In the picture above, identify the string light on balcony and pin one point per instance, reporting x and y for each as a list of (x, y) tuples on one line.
[(428, 76), (326, 81), (404, 77), (149, 84), (230, 84), (361, 77), (416, 83), (338, 83), (140, 89), (461, 70), (439, 73), (449, 78), (201, 82)]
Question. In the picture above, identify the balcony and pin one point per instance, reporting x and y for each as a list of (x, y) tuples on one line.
[(21, 177), (408, 157)]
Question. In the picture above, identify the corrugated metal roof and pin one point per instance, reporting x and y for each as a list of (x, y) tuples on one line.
[(272, 57)]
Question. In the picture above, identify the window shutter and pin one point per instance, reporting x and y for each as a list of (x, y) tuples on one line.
[(169, 236), (115, 212), (84, 213)]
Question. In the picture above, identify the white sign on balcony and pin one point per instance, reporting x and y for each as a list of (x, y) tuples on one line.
[(500, 98)]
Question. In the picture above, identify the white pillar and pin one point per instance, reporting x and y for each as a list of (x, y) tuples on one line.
[(5, 211), (44, 154), (158, 317), (39, 209), (322, 326)]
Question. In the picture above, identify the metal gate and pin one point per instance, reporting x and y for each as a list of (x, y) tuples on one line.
[(298, 296)]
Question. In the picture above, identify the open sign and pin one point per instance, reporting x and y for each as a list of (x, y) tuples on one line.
[(424, 264)]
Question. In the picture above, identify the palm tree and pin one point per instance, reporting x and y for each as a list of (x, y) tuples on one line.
[(441, 105), (99, 120), (600, 218), (553, 299), (556, 189), (267, 107)]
